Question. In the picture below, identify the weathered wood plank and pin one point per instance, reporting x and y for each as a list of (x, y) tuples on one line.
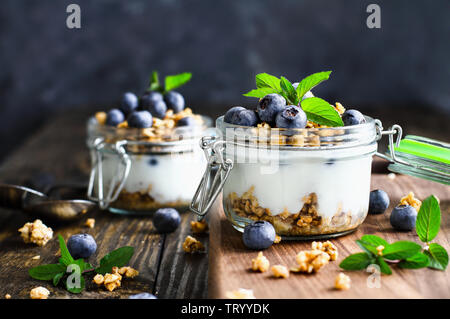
[(230, 261)]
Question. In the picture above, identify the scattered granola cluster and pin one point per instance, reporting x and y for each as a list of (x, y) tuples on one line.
[(39, 293), (342, 282), (192, 245), (280, 271), (380, 250), (7, 296), (36, 233), (260, 263), (199, 227), (240, 293), (311, 261), (327, 247), (411, 201), (141, 200), (90, 222), (113, 280)]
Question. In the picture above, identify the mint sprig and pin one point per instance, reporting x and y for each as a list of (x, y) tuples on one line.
[(407, 254), (55, 272), (171, 82), (317, 110)]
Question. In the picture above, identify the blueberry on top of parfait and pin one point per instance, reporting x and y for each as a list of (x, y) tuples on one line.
[(140, 119), (229, 115), (353, 117), (245, 118), (269, 106), (157, 108), (291, 117), (174, 101), (129, 103), (149, 98), (187, 121), (114, 117)]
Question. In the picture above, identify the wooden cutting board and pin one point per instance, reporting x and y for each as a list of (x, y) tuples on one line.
[(230, 261)]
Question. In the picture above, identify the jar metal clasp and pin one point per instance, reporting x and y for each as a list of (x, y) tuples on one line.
[(118, 180), (217, 170)]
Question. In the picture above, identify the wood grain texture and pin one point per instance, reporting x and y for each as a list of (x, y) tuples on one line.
[(230, 262), (59, 149)]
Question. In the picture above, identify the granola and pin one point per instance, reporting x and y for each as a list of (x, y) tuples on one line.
[(113, 280), (277, 239), (311, 261), (37, 257), (141, 200), (342, 282), (192, 245), (260, 263), (380, 250), (280, 271), (36, 233), (90, 222), (327, 247), (39, 293), (411, 200), (240, 293), (7, 296), (101, 117), (198, 227)]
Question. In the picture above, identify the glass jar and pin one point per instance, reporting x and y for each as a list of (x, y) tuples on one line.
[(309, 183), (135, 171)]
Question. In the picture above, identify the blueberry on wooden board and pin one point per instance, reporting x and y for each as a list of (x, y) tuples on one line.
[(258, 235), (166, 220), (378, 201)]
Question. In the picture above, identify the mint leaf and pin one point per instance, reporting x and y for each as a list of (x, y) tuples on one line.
[(321, 112), (57, 278), (357, 261), (369, 243), (428, 219), (384, 267), (367, 247), (46, 272), (310, 82), (288, 91), (117, 258), (154, 82), (265, 80), (438, 256), (261, 92), (401, 250), (417, 261), (174, 81), (66, 259), (76, 290)]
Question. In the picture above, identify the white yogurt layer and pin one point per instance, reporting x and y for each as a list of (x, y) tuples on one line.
[(165, 177), (340, 179)]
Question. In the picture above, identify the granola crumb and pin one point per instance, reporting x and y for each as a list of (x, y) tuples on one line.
[(240, 293), (128, 272), (90, 222), (36, 233), (7, 296), (277, 239), (342, 282), (311, 261), (124, 124), (391, 176), (112, 281), (339, 108), (99, 279), (260, 263), (411, 200), (327, 247), (192, 245), (198, 227), (37, 257), (39, 293), (101, 117), (280, 271), (380, 250)]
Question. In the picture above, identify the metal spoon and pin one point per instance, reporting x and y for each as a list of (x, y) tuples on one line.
[(40, 205)]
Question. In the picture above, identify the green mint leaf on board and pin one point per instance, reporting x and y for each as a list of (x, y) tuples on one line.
[(72, 286), (66, 259), (384, 267), (417, 261), (117, 258), (321, 112), (438, 256), (401, 250), (289, 92), (369, 243), (57, 278), (264, 80), (46, 272), (428, 219), (367, 247), (310, 82), (261, 92), (172, 82), (357, 261)]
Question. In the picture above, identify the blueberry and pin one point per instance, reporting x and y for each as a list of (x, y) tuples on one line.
[(378, 202), (114, 117), (174, 101), (149, 98), (156, 108), (269, 106), (245, 118), (403, 217), (258, 235), (291, 117), (187, 121), (229, 115), (129, 103), (142, 295), (140, 119), (153, 162), (81, 245), (166, 220), (353, 117)]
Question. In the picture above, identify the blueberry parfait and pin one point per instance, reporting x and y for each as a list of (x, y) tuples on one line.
[(299, 162), (156, 136)]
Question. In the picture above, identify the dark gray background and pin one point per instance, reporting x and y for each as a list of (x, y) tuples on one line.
[(46, 67)]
